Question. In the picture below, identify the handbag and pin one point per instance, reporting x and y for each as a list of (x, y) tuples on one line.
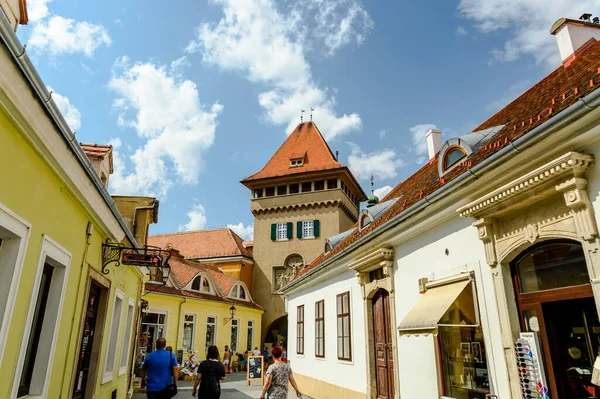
[(171, 389)]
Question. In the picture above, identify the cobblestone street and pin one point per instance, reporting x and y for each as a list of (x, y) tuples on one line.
[(234, 387)]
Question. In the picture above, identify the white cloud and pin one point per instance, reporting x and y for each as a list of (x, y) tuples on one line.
[(58, 35), (68, 110), (165, 111), (461, 31), (383, 133), (37, 9), (268, 47), (382, 191), (529, 23), (419, 140), (381, 164), (246, 232), (197, 219)]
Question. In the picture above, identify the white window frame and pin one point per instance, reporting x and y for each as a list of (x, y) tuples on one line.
[(193, 323), (60, 259), (108, 375), (206, 330), (281, 232), (14, 232), (237, 335), (127, 337), (250, 327), (308, 229)]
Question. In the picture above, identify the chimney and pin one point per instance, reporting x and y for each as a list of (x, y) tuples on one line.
[(434, 142), (574, 36)]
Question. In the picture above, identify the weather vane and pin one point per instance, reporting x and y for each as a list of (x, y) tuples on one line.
[(311, 111), (301, 115), (372, 185)]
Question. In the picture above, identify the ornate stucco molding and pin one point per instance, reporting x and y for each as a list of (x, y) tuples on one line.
[(309, 205), (518, 192), (485, 230), (578, 200)]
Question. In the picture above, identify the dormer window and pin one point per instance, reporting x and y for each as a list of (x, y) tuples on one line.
[(452, 156), (238, 292), (364, 221), (205, 285), (295, 162), (201, 284)]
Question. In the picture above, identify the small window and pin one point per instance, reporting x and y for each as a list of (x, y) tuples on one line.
[(294, 188), (211, 329), (300, 330), (205, 285), (332, 183), (234, 334), (189, 324), (320, 185), (296, 162), (306, 187), (127, 338), (328, 246), (281, 190), (196, 283), (344, 334), (364, 221), (452, 156), (320, 329), (250, 336), (308, 229), (258, 193), (269, 191), (282, 231), (242, 293)]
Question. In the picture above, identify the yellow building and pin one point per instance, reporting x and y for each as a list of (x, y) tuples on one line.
[(194, 310), (66, 327)]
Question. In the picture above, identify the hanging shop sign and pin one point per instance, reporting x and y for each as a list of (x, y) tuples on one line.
[(148, 256)]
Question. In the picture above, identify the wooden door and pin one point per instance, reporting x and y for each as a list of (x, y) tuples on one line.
[(85, 350), (384, 364)]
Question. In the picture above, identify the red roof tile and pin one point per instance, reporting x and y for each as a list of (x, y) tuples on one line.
[(556, 92), (305, 142), (96, 150), (202, 244)]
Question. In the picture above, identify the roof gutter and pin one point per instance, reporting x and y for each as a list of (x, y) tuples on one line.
[(583, 106), (17, 50)]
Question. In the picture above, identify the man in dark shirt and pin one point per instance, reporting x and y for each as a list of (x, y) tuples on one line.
[(159, 367)]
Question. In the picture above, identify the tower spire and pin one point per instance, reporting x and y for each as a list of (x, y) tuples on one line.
[(373, 199)]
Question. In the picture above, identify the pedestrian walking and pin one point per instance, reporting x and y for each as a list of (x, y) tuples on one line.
[(265, 354), (160, 372), (227, 360), (256, 352), (277, 376), (210, 372)]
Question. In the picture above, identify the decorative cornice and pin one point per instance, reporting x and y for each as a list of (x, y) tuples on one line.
[(571, 164), (373, 260), (308, 205)]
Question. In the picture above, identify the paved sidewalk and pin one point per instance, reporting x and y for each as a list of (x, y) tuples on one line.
[(234, 387)]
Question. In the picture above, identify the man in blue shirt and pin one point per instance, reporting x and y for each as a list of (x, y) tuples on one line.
[(266, 356), (159, 370)]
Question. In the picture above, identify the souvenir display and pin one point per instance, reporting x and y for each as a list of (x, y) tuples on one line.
[(531, 375)]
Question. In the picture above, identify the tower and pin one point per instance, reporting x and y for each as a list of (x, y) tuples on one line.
[(299, 198)]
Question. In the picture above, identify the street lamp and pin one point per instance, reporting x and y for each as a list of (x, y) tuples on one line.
[(232, 312), (166, 271)]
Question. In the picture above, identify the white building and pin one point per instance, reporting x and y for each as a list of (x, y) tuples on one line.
[(495, 237)]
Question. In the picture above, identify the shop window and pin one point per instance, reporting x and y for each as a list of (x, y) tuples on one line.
[(234, 334), (551, 265), (294, 188), (269, 191), (250, 336), (332, 183), (306, 187), (320, 329), (281, 190), (113, 339), (320, 185), (127, 338), (153, 326), (300, 330), (344, 335), (189, 327), (211, 330)]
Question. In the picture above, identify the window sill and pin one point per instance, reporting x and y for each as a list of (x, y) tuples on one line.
[(320, 358), (309, 238), (282, 239), (347, 362)]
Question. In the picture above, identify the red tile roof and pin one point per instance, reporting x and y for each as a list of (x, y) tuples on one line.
[(305, 142), (202, 244), (96, 150), (553, 94), (183, 272)]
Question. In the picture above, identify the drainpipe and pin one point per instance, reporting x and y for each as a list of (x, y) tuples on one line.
[(88, 233), (179, 322), (581, 108)]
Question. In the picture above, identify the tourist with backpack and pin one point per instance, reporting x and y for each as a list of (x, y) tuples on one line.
[(210, 373)]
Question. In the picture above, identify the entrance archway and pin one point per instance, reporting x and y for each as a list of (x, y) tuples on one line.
[(555, 300), (277, 332)]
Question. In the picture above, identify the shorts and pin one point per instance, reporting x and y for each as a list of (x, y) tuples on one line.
[(225, 362)]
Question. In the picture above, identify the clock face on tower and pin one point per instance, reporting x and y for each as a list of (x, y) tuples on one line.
[(293, 265)]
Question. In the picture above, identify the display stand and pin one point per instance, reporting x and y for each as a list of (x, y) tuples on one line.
[(531, 370), (255, 370)]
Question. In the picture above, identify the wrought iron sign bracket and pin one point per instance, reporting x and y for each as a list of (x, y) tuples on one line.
[(148, 256)]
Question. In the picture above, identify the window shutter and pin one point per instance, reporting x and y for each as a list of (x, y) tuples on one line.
[(273, 231), (299, 229), (316, 228), (290, 230)]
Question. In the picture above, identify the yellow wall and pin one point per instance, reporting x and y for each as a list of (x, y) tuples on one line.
[(202, 309), (34, 192), (241, 270)]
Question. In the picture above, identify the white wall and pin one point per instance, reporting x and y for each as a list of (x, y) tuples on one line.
[(424, 256), (351, 375)]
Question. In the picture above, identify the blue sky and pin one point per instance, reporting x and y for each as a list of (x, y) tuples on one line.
[(198, 96)]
